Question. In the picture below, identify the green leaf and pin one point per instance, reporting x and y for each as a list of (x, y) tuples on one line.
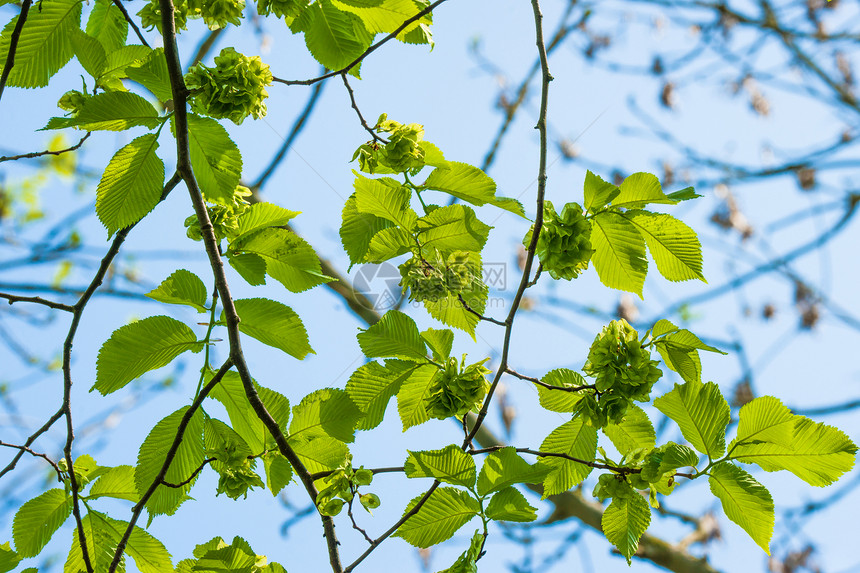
[(321, 453), (676, 456), (818, 454), (452, 228), (8, 558), (326, 412), (111, 111), (384, 198), (223, 443), (702, 414), (765, 419), (181, 287), (745, 501), (372, 385), (472, 185), (396, 335), (674, 246), (598, 193), (231, 393), (451, 311), (561, 400), (107, 25), (45, 44), (357, 230), (635, 431), (290, 260), (153, 452), (466, 563), (136, 348), (90, 52), (683, 195), (274, 324), (216, 160), (440, 342), (148, 553), (504, 468), (261, 215), (640, 189), (117, 482), (432, 154), (334, 38), (118, 61), (387, 244), (619, 252), (445, 511), (38, 519), (151, 73), (624, 522), (450, 465), (574, 439), (679, 349), (382, 17), (413, 395), (101, 543), (131, 185), (279, 472), (510, 505), (250, 267)]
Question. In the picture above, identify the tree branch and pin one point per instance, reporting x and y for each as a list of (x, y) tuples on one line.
[(35, 154), (13, 44), (131, 22)]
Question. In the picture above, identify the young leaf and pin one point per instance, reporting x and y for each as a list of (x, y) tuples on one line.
[(335, 38), (117, 482), (440, 342), (510, 505), (107, 25), (45, 43), (261, 215), (561, 400), (574, 439), (153, 452), (676, 456), (396, 335), (90, 53), (702, 414), (635, 431), (250, 267), (624, 522), (372, 385), (413, 395), (450, 465), (818, 454), (382, 16), (279, 472), (231, 393), (745, 501), (619, 252), (472, 185), (321, 453), (101, 543), (640, 189), (387, 244), (597, 192), (118, 61), (131, 185), (674, 246), (679, 349), (37, 520), (216, 160), (452, 228), (445, 511), (148, 553), (110, 111), (136, 348), (151, 73), (223, 443), (451, 310), (504, 468), (8, 558), (358, 229), (181, 287), (384, 198), (765, 419), (466, 563), (326, 412), (289, 259), (274, 324)]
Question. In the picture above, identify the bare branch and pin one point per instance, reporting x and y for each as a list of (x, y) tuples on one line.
[(33, 155)]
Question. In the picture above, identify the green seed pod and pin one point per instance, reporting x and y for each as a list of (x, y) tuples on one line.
[(424, 280), (564, 244), (454, 393), (72, 101), (233, 89), (280, 8), (402, 153), (236, 482), (150, 15), (218, 13)]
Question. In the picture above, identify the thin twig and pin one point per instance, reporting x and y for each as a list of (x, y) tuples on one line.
[(366, 53), (35, 154), (375, 136), (38, 455), (37, 300), (374, 471), (13, 44), (543, 384), (354, 524), (193, 475), (131, 22), (478, 314)]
